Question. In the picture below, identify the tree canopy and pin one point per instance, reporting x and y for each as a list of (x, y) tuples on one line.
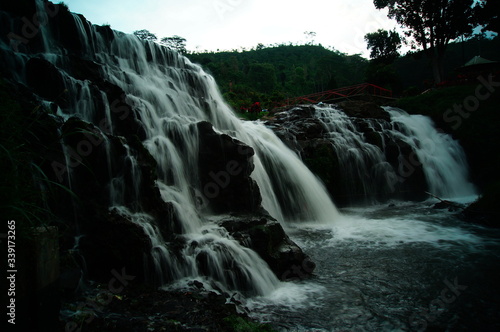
[(176, 43), (383, 45), (145, 35), (432, 24), (489, 15)]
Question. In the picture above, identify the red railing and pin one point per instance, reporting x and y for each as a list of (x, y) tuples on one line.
[(341, 93)]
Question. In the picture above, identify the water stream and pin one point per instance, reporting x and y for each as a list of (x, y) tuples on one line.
[(396, 267), (378, 267)]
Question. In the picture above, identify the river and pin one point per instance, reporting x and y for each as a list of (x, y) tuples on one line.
[(394, 267)]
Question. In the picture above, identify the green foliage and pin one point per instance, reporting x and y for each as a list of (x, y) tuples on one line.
[(431, 24), (415, 70), (145, 35), (239, 324), (175, 42), (383, 75), (273, 74), (488, 13), (384, 45), (263, 77), (24, 186)]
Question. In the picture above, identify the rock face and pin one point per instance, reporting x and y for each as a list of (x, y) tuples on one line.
[(225, 165), (99, 179), (267, 237), (361, 162)]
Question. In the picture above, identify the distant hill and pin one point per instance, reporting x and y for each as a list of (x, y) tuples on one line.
[(272, 74)]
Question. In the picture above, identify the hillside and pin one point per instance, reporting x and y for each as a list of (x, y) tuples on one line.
[(272, 74)]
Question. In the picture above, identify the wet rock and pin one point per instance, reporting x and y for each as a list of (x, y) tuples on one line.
[(400, 175), (267, 237), (448, 205), (45, 79), (364, 109), (141, 309), (114, 242), (225, 165)]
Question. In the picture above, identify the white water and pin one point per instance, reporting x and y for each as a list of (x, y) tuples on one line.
[(379, 267), (170, 94), (364, 164), (443, 159)]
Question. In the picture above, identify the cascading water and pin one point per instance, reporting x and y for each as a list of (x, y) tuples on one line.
[(379, 268), (376, 155), (170, 95), (443, 159)]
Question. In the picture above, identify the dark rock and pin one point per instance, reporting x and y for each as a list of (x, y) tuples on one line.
[(65, 31), (45, 79), (447, 205), (364, 109), (270, 241), (375, 138), (19, 8), (124, 120), (225, 165), (484, 210), (114, 242), (399, 176), (146, 309)]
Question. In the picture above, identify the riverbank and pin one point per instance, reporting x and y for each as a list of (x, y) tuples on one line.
[(143, 309)]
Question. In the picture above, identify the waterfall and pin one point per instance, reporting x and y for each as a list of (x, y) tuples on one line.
[(169, 95), (375, 156), (443, 159)]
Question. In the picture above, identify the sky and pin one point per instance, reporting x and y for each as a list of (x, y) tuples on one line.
[(235, 24)]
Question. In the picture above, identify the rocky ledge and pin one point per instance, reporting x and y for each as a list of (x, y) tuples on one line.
[(147, 309), (266, 236), (303, 132)]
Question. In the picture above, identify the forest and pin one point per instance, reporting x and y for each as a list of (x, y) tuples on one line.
[(271, 74)]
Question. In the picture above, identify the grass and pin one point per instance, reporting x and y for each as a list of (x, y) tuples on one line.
[(239, 324), (24, 187)]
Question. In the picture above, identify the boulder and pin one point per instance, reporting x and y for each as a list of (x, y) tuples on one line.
[(45, 79), (266, 237), (225, 165), (364, 109), (115, 242)]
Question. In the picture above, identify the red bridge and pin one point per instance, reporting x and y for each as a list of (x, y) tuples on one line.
[(341, 93)]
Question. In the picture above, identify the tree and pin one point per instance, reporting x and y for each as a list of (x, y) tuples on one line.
[(383, 45), (176, 43), (432, 24), (310, 35), (488, 15), (145, 35), (262, 76)]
